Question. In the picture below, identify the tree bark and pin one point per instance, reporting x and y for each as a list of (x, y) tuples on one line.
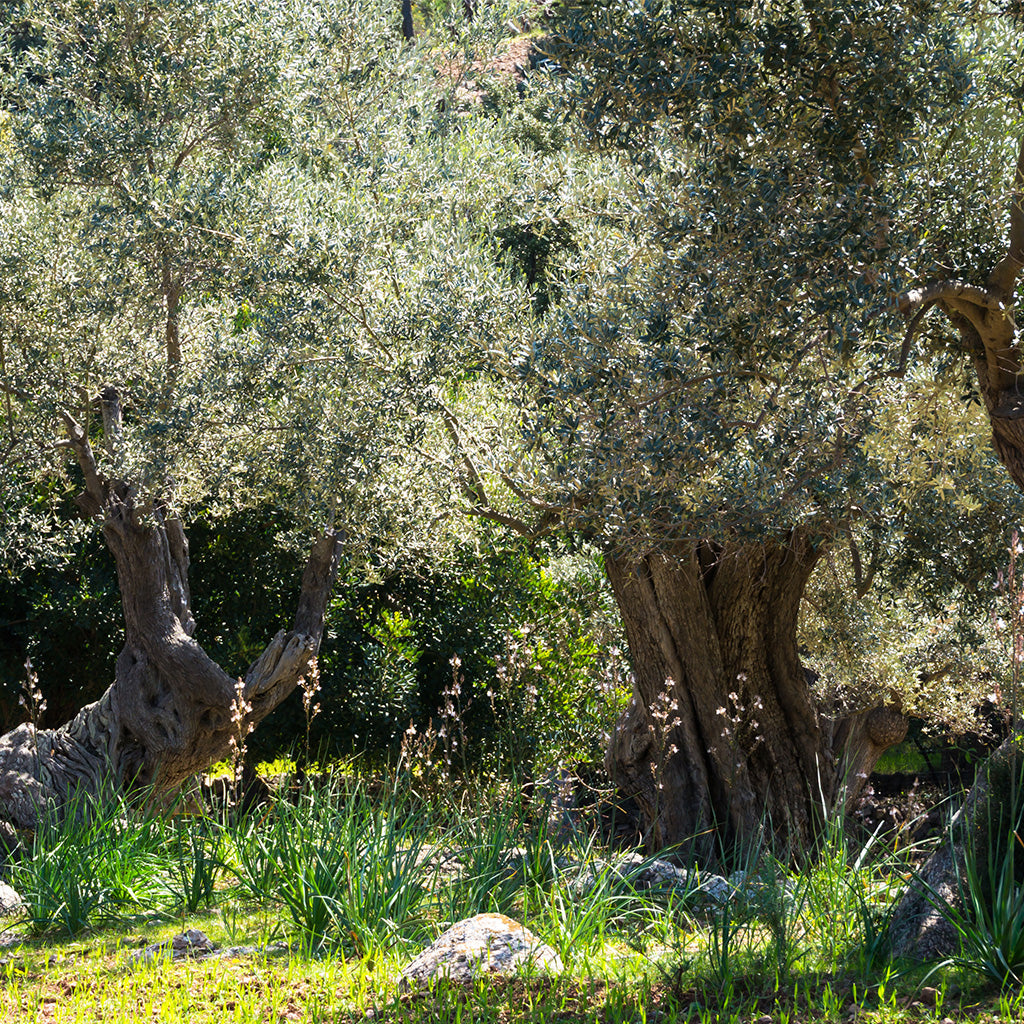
[(722, 744), (171, 710)]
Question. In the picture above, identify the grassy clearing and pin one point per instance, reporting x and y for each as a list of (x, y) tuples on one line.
[(338, 887)]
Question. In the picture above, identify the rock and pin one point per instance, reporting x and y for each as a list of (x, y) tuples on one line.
[(631, 869), (922, 925), (192, 943), (714, 890), (485, 944), (10, 901), (645, 873), (650, 876)]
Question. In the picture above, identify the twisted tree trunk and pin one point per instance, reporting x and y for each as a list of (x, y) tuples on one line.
[(723, 739), (171, 711)]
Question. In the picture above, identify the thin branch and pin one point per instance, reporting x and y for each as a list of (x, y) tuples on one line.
[(452, 426), (473, 488), (11, 390), (908, 337), (529, 499), (936, 674), (770, 401), (858, 572), (190, 146), (6, 391), (862, 580), (361, 318), (679, 385), (520, 526)]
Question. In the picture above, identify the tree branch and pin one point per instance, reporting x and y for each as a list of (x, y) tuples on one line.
[(11, 390), (908, 337), (317, 581), (989, 314), (476, 491), (1003, 280), (951, 290), (862, 580), (95, 486), (473, 488), (110, 408), (519, 525), (6, 391)]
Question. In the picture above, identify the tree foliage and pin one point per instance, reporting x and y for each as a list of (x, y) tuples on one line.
[(652, 302)]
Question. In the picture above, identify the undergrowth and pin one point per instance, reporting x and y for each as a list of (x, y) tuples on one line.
[(334, 885)]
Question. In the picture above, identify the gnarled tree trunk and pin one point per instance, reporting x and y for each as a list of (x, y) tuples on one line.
[(171, 711), (722, 739)]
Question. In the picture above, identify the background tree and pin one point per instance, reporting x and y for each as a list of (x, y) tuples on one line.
[(972, 275)]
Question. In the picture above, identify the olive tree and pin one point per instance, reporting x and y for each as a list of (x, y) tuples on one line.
[(720, 392), (215, 267)]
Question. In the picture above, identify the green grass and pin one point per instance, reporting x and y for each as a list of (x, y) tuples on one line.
[(350, 881)]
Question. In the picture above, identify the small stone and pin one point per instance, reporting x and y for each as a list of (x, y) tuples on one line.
[(486, 944), (928, 995)]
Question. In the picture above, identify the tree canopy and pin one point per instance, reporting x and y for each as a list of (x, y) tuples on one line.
[(278, 253)]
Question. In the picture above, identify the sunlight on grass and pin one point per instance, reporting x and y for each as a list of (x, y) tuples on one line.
[(333, 887)]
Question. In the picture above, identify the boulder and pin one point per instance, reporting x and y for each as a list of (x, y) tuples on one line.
[(631, 869), (488, 944)]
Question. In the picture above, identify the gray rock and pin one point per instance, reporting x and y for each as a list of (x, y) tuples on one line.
[(654, 876), (632, 870), (10, 901), (714, 890), (486, 944), (191, 944)]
